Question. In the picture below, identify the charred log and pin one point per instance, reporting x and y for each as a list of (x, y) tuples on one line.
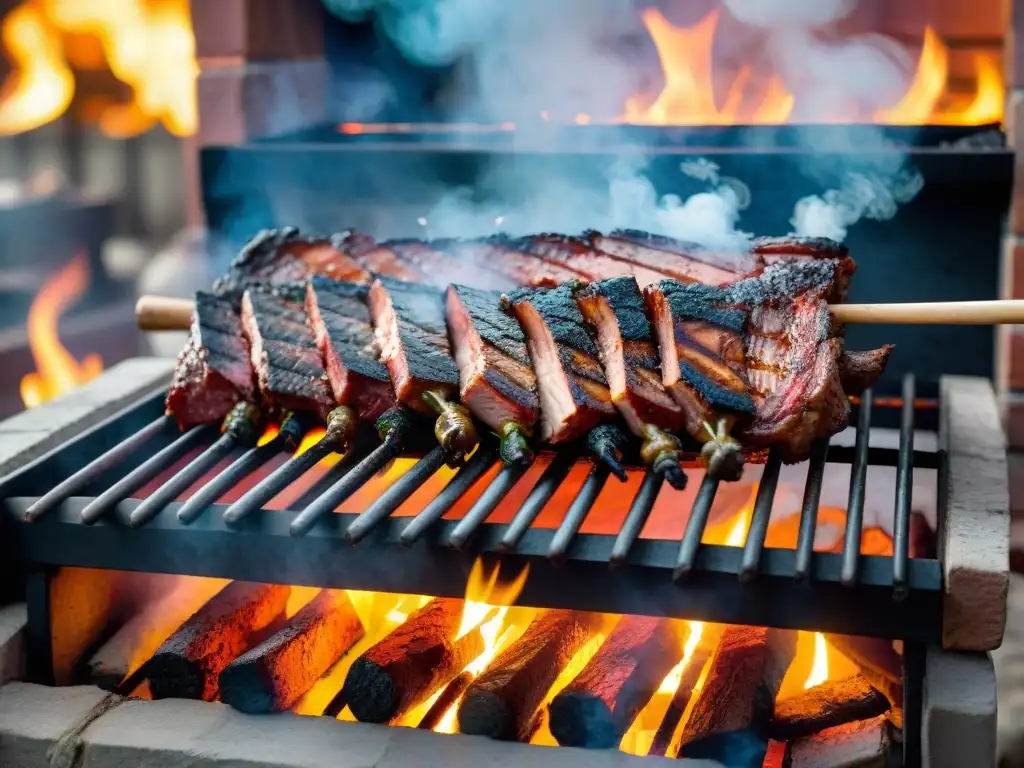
[(879, 663), (600, 704), (732, 712), (277, 672), (834, 702), (863, 744), (189, 663), (408, 665), (501, 702)]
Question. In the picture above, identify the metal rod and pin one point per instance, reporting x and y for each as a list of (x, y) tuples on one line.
[(396, 495), (913, 702), (541, 494), (695, 526), (95, 468), (577, 512), (904, 486), (637, 516), (809, 509), (240, 469), (348, 484), (477, 466), (267, 488), (169, 491), (488, 501), (753, 546), (145, 472), (855, 505)]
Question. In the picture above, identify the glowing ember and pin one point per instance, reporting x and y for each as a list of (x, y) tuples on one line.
[(147, 45), (41, 86), (57, 370)]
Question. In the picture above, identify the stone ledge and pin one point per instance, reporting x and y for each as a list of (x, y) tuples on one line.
[(13, 619), (28, 435), (959, 727), (975, 546), (172, 733)]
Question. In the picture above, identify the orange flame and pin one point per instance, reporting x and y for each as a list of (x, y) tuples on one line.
[(147, 44), (483, 591), (819, 667), (688, 96), (57, 370), (41, 86)]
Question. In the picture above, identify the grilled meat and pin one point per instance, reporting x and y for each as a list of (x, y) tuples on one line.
[(686, 262), (340, 318), (580, 256), (441, 269), (573, 390), (629, 353), (283, 256), (410, 331), (496, 380), (772, 250), (860, 370), (283, 350), (500, 254), (213, 370)]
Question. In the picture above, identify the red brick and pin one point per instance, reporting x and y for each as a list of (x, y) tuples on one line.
[(1013, 418), (259, 29), (1010, 358), (241, 102)]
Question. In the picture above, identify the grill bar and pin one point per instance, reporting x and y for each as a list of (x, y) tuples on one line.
[(639, 511), (695, 527), (541, 494), (145, 472), (577, 512), (855, 505), (232, 475), (758, 529), (92, 471), (904, 482), (288, 473), (809, 509), (507, 477)]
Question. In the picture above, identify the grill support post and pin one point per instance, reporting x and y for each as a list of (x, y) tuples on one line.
[(39, 631)]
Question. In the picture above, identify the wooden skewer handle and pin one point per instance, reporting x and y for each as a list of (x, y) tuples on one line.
[(162, 313), (933, 313)]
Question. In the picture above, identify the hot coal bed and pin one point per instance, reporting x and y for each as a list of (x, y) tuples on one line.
[(636, 596)]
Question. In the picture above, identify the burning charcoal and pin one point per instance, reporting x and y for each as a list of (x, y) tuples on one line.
[(189, 663), (140, 636), (691, 673), (408, 665), (273, 675), (600, 704), (862, 744), (832, 703), (730, 717), (501, 702), (573, 390), (879, 663)]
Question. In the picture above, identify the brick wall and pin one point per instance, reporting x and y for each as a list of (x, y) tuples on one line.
[(262, 71)]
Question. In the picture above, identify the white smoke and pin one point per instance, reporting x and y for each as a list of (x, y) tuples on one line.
[(566, 57)]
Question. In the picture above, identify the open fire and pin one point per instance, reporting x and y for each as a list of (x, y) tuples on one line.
[(57, 370)]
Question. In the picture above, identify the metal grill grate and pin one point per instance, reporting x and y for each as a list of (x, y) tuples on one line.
[(89, 519)]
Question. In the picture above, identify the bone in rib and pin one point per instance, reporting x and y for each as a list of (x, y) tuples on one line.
[(496, 379)]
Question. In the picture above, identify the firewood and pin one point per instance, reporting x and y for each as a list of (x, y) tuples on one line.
[(832, 703), (277, 672), (189, 663), (140, 636), (731, 714), (449, 696), (862, 744), (501, 702), (408, 665), (695, 665), (600, 704), (879, 663)]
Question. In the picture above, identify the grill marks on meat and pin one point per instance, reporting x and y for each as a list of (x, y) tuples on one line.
[(686, 262), (573, 390), (213, 370), (340, 318), (496, 380), (500, 254), (284, 256), (580, 256), (700, 335), (288, 364), (410, 331), (628, 350), (442, 269)]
